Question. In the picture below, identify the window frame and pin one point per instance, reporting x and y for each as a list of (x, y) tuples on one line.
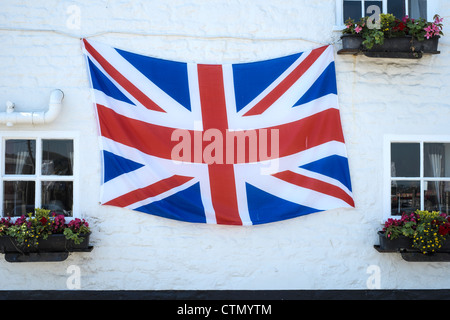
[(339, 22), (421, 139), (38, 177)]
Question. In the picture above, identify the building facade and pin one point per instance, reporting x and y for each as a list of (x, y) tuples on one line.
[(384, 104)]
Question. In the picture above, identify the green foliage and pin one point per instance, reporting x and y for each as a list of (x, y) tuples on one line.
[(431, 231), (427, 229), (29, 230), (391, 27)]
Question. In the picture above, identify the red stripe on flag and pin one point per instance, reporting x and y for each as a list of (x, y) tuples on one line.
[(310, 132), (287, 82), (157, 141), (214, 115), (124, 82), (148, 138), (149, 191), (314, 184)]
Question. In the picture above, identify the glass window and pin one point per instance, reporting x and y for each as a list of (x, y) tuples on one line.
[(38, 173), (356, 9), (397, 8), (18, 197), (417, 9), (405, 160), (419, 176), (352, 9), (20, 156), (405, 196), (437, 159), (57, 157), (57, 196), (437, 196)]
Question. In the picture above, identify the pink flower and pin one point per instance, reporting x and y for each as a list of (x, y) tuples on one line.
[(431, 30), (405, 18), (437, 20), (358, 29)]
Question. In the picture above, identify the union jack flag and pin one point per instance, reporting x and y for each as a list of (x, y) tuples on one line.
[(235, 144)]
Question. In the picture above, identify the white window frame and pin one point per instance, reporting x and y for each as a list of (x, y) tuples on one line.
[(38, 177), (339, 23), (387, 140)]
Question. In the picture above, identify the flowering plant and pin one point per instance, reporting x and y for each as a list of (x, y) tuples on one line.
[(428, 230), (390, 27), (405, 226), (29, 230), (431, 231), (76, 227)]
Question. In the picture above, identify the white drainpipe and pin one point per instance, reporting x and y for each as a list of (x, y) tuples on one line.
[(10, 117)]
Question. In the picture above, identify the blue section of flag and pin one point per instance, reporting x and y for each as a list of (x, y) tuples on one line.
[(102, 83), (185, 205), (264, 207), (250, 79), (116, 165), (325, 84), (169, 76), (335, 167)]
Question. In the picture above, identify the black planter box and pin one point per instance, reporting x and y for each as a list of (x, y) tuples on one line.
[(396, 245), (54, 243), (404, 246), (351, 42), (398, 47)]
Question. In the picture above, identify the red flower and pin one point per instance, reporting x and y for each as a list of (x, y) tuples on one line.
[(43, 220), (444, 229), (400, 26)]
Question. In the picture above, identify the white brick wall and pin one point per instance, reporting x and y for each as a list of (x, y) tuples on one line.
[(329, 250)]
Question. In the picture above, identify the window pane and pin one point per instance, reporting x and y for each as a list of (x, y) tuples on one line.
[(57, 196), (405, 196), (397, 8), (20, 156), (436, 159), (57, 157), (405, 160), (417, 9), (352, 9), (437, 196), (18, 198)]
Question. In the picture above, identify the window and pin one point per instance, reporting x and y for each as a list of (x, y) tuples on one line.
[(38, 172), (419, 175), (356, 9)]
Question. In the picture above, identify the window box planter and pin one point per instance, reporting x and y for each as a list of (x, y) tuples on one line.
[(55, 248), (23, 240), (422, 236), (351, 44), (410, 254), (396, 245), (398, 47)]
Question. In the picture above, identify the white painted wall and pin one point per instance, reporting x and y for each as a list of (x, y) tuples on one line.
[(328, 250)]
